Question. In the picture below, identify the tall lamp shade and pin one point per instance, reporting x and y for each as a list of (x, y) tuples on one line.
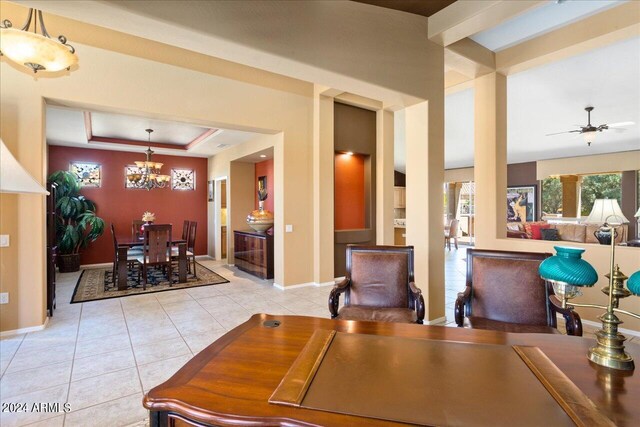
[(606, 210), (13, 177)]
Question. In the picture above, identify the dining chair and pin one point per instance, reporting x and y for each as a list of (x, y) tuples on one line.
[(131, 256), (185, 230), (156, 251), (451, 232), (191, 246)]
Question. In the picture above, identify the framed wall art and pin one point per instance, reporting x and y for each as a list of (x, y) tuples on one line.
[(183, 179), (521, 203), (211, 191), (88, 174)]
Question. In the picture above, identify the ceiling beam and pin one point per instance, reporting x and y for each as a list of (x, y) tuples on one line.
[(612, 25), (467, 17), (453, 78), (469, 58)]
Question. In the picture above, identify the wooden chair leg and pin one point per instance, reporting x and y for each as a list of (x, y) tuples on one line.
[(194, 266), (455, 240), (144, 277), (170, 275)]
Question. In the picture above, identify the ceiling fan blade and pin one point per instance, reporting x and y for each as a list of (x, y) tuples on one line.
[(621, 124), (558, 133), (618, 130)]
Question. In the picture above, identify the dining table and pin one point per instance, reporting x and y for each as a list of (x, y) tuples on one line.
[(127, 241)]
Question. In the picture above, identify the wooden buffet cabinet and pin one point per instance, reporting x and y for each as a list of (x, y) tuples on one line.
[(253, 253)]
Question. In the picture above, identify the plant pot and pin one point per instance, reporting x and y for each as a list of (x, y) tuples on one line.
[(69, 263)]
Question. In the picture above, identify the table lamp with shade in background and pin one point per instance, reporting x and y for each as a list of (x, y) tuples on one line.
[(13, 177), (606, 212)]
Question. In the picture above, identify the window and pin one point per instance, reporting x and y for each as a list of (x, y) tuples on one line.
[(551, 196), (605, 186)]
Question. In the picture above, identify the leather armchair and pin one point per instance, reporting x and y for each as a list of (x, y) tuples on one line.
[(504, 292), (378, 286)]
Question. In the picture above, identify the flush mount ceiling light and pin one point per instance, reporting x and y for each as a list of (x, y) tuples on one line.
[(39, 52)]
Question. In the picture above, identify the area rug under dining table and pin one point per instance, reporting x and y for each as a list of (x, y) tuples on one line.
[(97, 283)]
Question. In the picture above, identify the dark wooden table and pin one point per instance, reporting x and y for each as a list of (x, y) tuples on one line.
[(127, 241), (230, 382)]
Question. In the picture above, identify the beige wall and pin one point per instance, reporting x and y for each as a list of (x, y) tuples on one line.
[(599, 163), (116, 82), (458, 175), (22, 266), (240, 186)]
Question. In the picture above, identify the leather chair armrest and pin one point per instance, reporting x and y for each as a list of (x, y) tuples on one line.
[(461, 301), (517, 234), (419, 302), (573, 323), (334, 297)]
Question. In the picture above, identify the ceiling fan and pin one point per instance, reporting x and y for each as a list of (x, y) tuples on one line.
[(589, 131)]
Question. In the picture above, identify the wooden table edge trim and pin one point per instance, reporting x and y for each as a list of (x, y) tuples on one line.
[(581, 410), (296, 382)]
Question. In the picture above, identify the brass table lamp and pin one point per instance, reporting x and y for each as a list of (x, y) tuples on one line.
[(567, 272)]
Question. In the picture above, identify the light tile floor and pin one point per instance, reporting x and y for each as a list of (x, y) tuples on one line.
[(102, 356)]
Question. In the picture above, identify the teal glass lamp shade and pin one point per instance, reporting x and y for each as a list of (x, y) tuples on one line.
[(634, 283), (567, 266)]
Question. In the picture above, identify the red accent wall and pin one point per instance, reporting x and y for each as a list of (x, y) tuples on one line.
[(349, 209), (265, 169), (119, 205)]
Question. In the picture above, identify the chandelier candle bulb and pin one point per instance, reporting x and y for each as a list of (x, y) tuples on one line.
[(148, 175)]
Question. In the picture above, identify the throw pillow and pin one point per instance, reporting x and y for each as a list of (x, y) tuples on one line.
[(549, 234), (535, 230), (513, 227)]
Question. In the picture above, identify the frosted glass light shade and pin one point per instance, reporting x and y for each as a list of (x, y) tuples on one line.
[(606, 210), (589, 137), (13, 177), (26, 48)]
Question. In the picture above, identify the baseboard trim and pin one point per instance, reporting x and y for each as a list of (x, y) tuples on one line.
[(623, 331), (12, 332), (437, 321)]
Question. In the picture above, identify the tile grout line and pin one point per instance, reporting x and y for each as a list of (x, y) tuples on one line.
[(135, 360), (174, 325), (75, 346), (13, 356)]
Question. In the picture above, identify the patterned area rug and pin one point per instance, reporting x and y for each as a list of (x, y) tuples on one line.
[(96, 284)]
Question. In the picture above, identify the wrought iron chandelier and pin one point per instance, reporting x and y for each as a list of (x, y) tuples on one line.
[(39, 52), (148, 174)]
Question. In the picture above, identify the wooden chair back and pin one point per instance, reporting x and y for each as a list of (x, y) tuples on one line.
[(506, 286), (185, 230), (379, 276), (136, 226), (157, 243), (191, 240), (115, 242)]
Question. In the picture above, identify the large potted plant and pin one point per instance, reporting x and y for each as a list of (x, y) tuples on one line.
[(76, 222)]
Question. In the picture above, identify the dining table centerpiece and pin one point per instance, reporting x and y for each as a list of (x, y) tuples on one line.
[(260, 219)]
